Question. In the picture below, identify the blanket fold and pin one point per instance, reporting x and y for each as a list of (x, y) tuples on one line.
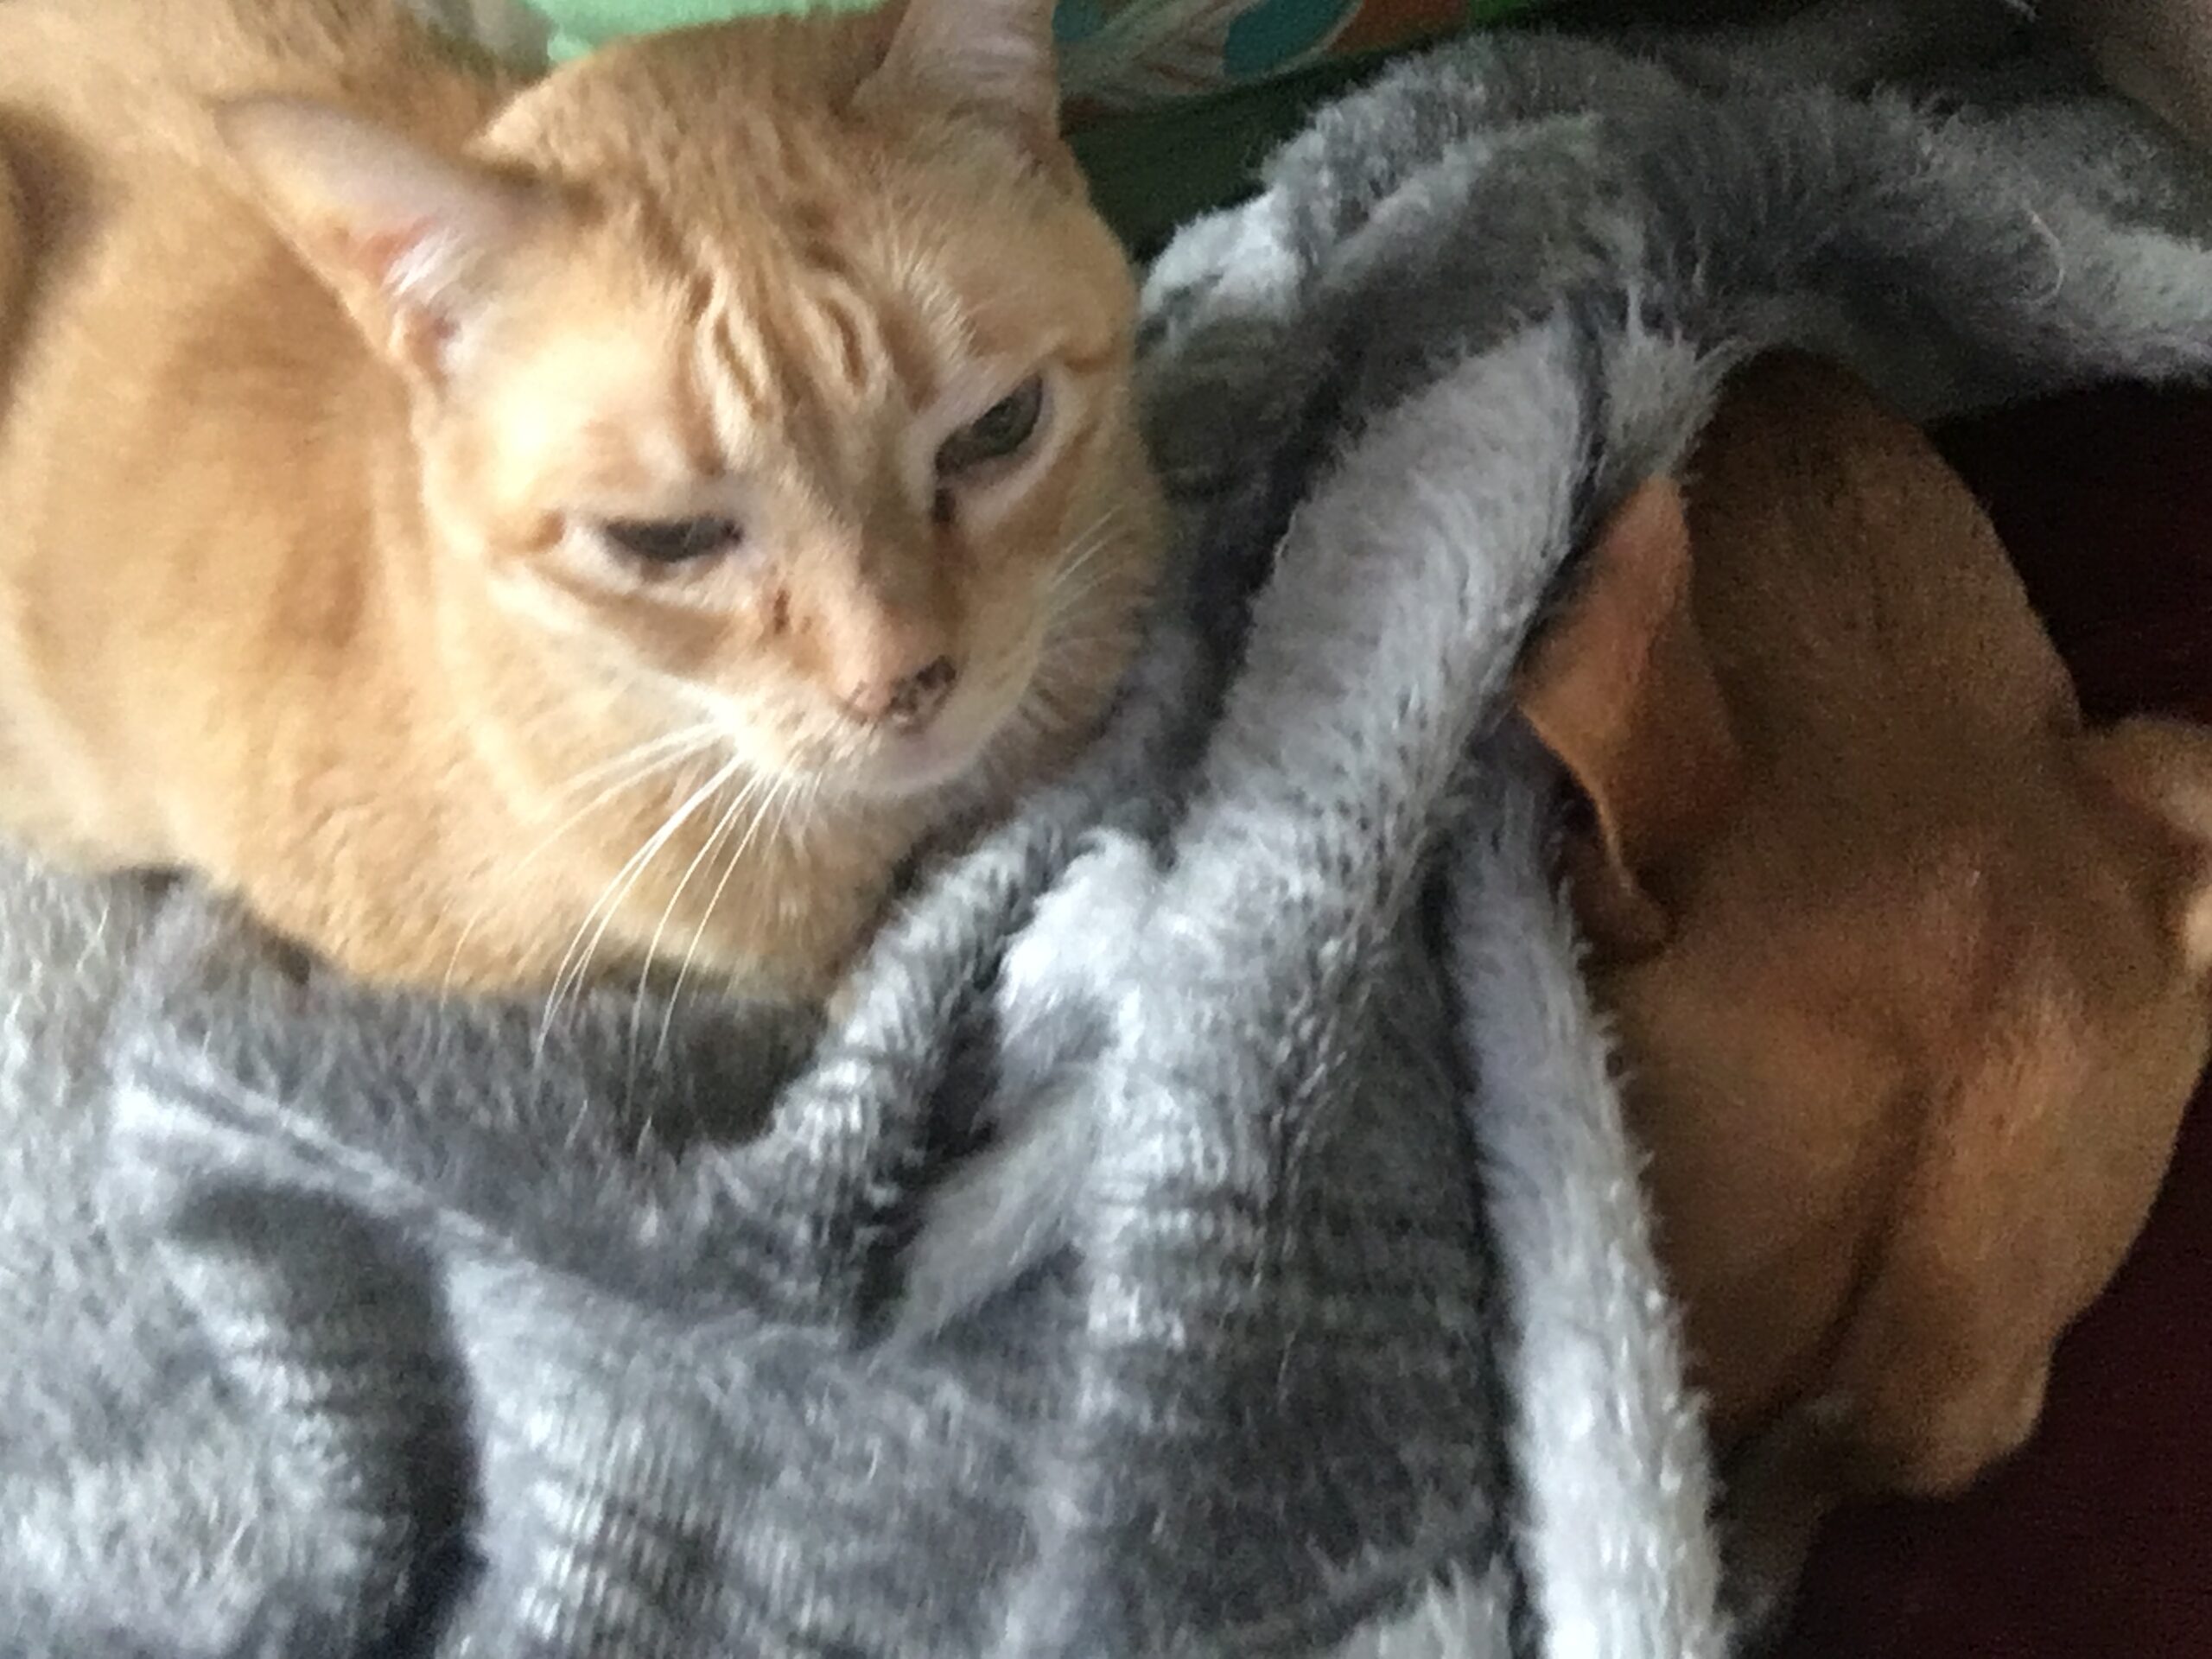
[(1207, 1227)]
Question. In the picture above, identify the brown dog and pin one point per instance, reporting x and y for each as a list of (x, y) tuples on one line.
[(1909, 970), (2157, 52)]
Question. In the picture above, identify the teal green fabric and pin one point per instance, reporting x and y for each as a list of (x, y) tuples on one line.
[(1277, 34), (579, 25), (1271, 35)]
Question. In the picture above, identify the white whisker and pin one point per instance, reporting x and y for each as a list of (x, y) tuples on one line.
[(575, 961), (781, 793), (635, 766), (723, 821)]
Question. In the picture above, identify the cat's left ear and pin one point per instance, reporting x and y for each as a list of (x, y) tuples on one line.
[(992, 56), (407, 238)]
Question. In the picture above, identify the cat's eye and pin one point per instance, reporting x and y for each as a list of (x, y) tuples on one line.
[(999, 433), (673, 541)]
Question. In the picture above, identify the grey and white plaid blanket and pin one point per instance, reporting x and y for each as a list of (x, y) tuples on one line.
[(1209, 1230)]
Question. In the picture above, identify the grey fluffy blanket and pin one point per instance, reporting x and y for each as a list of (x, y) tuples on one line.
[(1209, 1230)]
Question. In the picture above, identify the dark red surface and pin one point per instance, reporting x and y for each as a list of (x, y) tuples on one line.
[(2096, 1543)]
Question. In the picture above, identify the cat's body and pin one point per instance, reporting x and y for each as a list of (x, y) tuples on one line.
[(406, 543)]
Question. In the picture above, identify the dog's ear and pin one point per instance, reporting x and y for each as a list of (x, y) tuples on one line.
[(1620, 691), (2162, 769)]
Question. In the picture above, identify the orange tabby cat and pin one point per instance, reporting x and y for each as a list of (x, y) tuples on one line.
[(622, 517)]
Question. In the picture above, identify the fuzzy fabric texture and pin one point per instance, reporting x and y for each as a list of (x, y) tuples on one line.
[(1209, 1228)]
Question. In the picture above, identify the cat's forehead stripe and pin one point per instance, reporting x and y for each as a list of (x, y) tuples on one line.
[(835, 304), (862, 305), (914, 338), (862, 339), (737, 351), (695, 432), (782, 386), (848, 327)]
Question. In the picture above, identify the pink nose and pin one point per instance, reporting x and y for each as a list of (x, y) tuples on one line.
[(908, 703)]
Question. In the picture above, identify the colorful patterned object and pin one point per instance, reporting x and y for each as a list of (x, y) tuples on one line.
[(1130, 53), (1117, 54)]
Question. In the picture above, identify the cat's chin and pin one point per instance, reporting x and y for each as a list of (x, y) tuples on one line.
[(912, 768)]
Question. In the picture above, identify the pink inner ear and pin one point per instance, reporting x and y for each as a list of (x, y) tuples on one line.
[(422, 330), (379, 253)]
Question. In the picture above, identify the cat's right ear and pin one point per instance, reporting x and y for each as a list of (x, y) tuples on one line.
[(993, 57), (407, 238)]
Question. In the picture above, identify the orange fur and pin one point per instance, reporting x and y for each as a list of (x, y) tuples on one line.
[(1912, 987), (315, 412)]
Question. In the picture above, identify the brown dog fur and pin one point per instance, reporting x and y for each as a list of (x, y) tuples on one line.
[(1909, 969), (2158, 52), (341, 362)]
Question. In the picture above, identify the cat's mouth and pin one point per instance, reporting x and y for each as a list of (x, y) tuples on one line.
[(955, 750)]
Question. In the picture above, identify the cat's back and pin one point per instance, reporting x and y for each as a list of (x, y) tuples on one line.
[(159, 347), (120, 183), (127, 67), (106, 105)]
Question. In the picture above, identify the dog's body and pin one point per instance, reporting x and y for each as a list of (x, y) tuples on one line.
[(1909, 967), (2157, 52)]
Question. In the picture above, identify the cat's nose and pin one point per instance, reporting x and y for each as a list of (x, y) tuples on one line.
[(909, 701)]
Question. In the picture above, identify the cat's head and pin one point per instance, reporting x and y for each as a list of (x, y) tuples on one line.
[(779, 370)]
